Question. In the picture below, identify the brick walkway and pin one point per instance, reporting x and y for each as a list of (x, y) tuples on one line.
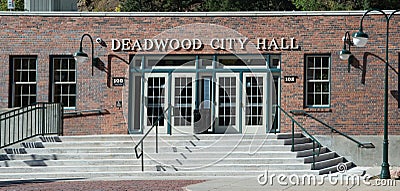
[(153, 185)]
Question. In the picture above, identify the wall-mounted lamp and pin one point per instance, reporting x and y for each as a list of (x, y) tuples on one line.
[(345, 53), (81, 56)]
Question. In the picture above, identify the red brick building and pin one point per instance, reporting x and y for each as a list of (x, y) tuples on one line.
[(232, 66)]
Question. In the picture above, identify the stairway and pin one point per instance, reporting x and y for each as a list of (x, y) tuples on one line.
[(202, 155)]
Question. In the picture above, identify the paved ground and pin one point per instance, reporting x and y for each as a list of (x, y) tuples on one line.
[(67, 185), (337, 183)]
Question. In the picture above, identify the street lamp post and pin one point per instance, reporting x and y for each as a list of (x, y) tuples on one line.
[(81, 56), (360, 40)]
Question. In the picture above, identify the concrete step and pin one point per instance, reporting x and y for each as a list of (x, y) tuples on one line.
[(121, 168), (84, 156), (300, 140), (321, 157), (237, 167), (333, 169), (289, 135), (161, 149), (148, 161), (147, 173), (193, 143), (167, 137), (329, 163), (309, 152), (304, 146)]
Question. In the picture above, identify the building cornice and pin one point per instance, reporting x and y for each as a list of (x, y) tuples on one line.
[(188, 14)]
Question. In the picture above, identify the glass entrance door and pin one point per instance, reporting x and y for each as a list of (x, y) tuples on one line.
[(183, 90), (254, 108), (227, 109), (155, 100)]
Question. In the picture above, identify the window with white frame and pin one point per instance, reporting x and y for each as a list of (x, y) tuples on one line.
[(63, 80), (23, 80), (317, 82)]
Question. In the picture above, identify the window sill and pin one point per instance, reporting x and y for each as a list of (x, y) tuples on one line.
[(318, 110)]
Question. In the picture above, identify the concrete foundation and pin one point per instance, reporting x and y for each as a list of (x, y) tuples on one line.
[(363, 156)]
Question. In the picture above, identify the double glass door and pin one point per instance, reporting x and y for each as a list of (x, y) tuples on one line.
[(239, 105)]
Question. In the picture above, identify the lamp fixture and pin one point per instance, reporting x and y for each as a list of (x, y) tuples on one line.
[(360, 38), (345, 54), (81, 56)]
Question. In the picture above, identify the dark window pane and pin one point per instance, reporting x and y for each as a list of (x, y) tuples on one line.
[(310, 61), (325, 99), (18, 89), (32, 76), (325, 74), (32, 64), (64, 76), (32, 99), (56, 64), (325, 62), (64, 64), (25, 100), (318, 100), (17, 76), (17, 64), (310, 87), (32, 89), (25, 89), (25, 64), (17, 101), (72, 76), (72, 64), (57, 89), (318, 75), (310, 99), (57, 77), (65, 89), (72, 89), (325, 87), (318, 87), (57, 99), (318, 63), (24, 77)]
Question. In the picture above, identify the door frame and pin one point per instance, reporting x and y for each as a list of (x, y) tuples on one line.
[(259, 129), (182, 129), (236, 127), (165, 104)]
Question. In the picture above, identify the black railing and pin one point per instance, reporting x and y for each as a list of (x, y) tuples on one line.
[(140, 143), (313, 139), (333, 130), (26, 122)]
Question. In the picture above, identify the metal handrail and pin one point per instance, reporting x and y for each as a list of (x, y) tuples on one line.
[(361, 145), (314, 140), (41, 118), (155, 124)]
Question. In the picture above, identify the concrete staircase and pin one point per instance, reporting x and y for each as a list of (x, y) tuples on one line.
[(202, 155)]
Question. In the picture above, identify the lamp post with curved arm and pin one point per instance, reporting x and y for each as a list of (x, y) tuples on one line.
[(360, 39), (81, 56)]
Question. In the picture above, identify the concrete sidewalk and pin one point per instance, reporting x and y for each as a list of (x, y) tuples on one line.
[(333, 184)]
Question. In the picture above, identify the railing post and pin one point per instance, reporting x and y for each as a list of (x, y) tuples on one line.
[(142, 157), (313, 155), (157, 137), (61, 118), (43, 119), (292, 135)]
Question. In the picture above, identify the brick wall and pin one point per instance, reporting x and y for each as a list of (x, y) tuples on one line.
[(356, 108)]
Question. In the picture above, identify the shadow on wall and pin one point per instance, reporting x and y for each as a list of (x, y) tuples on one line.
[(356, 64)]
